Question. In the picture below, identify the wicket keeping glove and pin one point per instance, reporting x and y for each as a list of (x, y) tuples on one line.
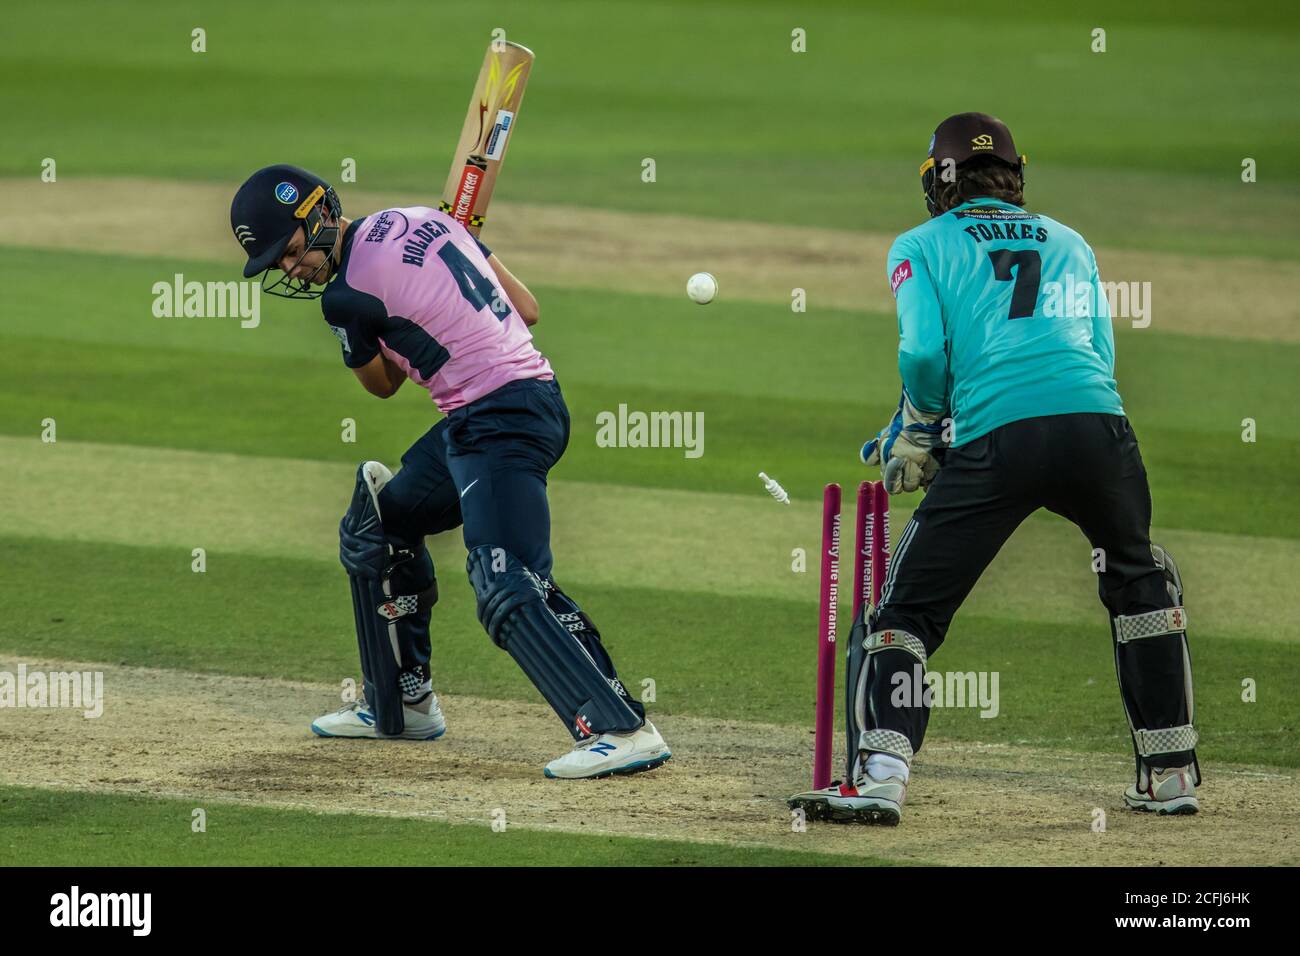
[(906, 447)]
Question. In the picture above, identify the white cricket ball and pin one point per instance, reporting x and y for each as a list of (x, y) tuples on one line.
[(702, 287)]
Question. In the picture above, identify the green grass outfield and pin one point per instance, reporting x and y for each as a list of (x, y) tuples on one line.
[(799, 414), (183, 433), (49, 828), (1150, 133)]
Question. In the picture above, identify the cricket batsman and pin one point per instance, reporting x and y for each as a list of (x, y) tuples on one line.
[(411, 294), (1009, 405)]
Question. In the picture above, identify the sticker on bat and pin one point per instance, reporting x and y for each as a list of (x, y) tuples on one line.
[(496, 144), (467, 192)]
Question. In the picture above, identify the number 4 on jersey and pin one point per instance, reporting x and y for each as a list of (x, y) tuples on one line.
[(474, 286), (1029, 266)]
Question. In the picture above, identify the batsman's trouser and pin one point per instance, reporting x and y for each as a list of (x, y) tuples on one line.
[(484, 468), (1084, 467)]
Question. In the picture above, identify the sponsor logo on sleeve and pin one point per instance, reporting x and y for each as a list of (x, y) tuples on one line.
[(901, 274), (342, 336)]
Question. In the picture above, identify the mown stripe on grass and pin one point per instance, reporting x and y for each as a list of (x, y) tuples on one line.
[(825, 353), (67, 828), (296, 408), (726, 656), (649, 252), (603, 534)]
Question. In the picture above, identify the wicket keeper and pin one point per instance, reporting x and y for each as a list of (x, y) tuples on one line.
[(1009, 405), (410, 294)]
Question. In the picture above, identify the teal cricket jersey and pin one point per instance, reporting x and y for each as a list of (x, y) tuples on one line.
[(1000, 318)]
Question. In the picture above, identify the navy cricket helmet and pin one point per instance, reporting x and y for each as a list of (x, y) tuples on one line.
[(268, 210)]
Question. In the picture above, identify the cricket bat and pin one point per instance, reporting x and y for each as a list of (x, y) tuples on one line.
[(493, 113)]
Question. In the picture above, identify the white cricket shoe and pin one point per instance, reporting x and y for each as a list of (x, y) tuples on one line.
[(358, 720), (1168, 792), (866, 800), (607, 754)]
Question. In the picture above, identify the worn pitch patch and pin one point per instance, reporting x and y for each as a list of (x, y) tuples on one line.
[(209, 737)]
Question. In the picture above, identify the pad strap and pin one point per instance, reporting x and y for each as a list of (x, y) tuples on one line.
[(1133, 627), (1166, 740), (901, 640), (886, 742), (405, 604)]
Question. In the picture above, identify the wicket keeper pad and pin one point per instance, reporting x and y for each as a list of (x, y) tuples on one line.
[(875, 723), (1154, 665)]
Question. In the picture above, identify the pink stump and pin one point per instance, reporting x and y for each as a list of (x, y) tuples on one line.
[(862, 576), (879, 542), (830, 585)]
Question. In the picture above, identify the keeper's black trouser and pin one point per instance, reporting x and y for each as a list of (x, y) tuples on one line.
[(1082, 466)]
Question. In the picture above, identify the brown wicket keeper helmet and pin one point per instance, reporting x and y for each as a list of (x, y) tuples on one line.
[(962, 138)]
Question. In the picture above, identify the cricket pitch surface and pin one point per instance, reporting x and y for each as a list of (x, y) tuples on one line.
[(215, 738)]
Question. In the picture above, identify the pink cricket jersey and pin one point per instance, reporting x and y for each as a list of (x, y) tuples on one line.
[(416, 286)]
